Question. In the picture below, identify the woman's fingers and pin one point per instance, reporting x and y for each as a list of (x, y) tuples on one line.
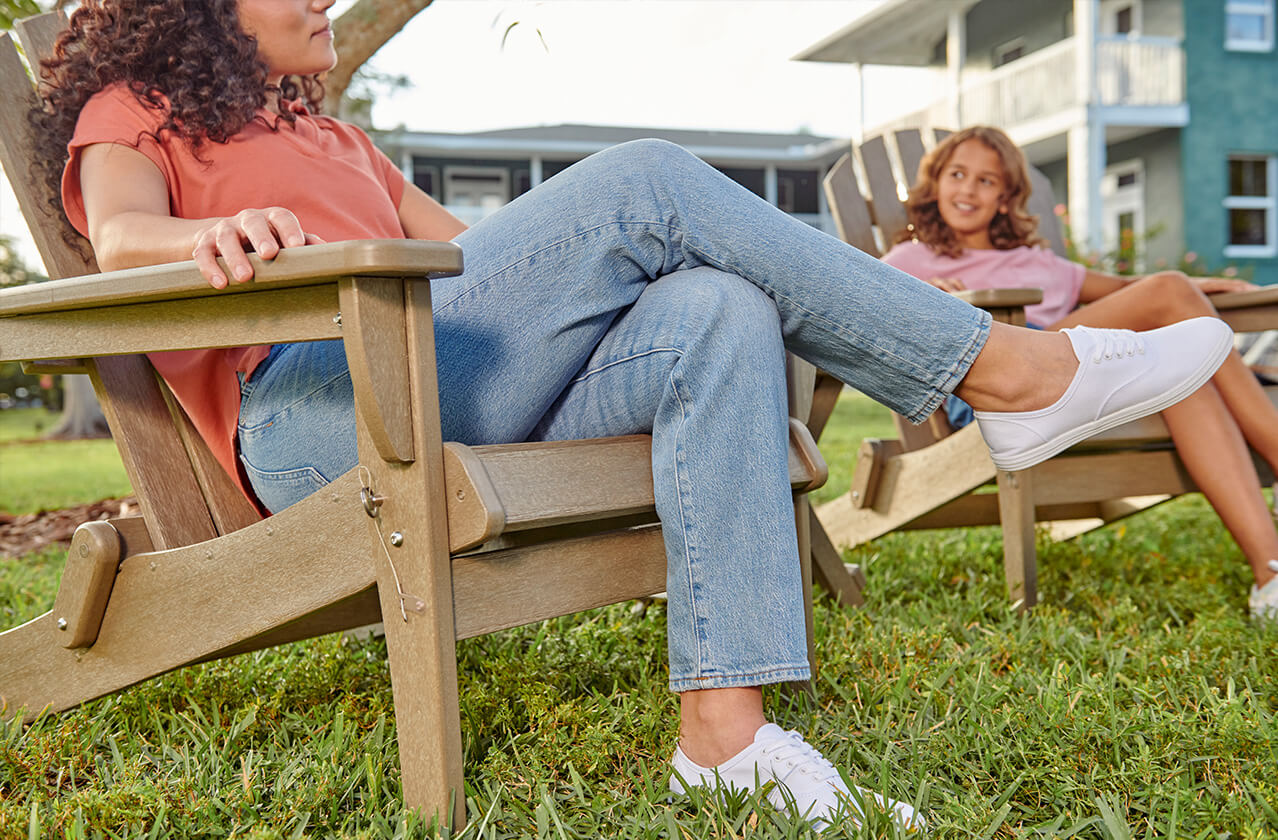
[(229, 241), (288, 230), (206, 260), (1216, 285), (262, 231)]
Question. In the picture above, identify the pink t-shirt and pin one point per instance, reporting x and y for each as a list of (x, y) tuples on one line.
[(337, 183), (1060, 279)]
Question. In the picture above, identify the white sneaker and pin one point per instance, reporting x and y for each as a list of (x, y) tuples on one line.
[(793, 772), (1264, 599), (1122, 375)]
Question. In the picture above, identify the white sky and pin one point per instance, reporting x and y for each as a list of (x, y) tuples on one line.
[(709, 64)]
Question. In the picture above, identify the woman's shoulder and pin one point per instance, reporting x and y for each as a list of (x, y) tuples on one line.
[(116, 105)]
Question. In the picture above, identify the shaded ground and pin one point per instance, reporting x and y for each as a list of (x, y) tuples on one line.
[(27, 532)]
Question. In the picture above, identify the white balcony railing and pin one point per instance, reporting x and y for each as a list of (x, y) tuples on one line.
[(1129, 72), (1140, 71)]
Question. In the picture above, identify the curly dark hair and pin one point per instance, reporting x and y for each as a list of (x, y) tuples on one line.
[(190, 53), (1008, 230)]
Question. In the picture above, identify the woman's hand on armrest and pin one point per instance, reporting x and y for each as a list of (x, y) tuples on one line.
[(265, 231), (1219, 285), (126, 200)]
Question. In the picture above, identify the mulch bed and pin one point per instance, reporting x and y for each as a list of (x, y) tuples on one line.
[(23, 533)]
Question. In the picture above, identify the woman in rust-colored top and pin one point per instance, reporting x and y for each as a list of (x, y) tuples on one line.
[(638, 291)]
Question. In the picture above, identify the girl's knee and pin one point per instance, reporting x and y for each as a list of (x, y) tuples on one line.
[(1176, 296)]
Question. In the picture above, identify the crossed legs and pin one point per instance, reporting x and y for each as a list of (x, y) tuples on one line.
[(1212, 428)]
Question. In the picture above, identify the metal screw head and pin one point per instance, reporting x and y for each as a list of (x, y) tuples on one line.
[(62, 624), (396, 539)]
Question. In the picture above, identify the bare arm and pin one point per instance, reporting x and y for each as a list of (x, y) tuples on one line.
[(422, 217), (1097, 284), (127, 203)]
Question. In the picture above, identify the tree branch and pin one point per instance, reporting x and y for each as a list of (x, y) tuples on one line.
[(361, 31)]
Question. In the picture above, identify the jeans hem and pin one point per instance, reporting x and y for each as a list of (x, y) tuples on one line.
[(784, 673), (957, 371)]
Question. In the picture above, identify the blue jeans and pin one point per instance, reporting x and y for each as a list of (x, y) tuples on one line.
[(642, 291)]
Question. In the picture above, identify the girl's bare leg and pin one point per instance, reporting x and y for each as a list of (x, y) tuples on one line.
[(1211, 428)]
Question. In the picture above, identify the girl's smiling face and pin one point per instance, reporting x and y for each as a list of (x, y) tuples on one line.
[(293, 36), (971, 191)]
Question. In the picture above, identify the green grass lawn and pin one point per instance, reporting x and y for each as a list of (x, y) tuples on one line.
[(47, 475), (1136, 701)]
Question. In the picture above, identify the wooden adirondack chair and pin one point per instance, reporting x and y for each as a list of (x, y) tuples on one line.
[(929, 475), (439, 541)]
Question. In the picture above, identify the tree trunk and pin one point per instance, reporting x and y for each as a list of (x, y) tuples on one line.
[(361, 31), (81, 415)]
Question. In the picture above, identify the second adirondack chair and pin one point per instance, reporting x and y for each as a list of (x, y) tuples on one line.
[(928, 476)]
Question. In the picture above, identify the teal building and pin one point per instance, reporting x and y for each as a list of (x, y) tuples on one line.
[(1155, 120)]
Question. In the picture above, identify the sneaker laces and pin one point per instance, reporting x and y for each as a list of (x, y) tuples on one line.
[(801, 757), (1116, 344)]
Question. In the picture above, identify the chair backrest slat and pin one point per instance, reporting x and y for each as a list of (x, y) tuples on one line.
[(848, 206), (909, 147), (1043, 204), (17, 149), (889, 213)]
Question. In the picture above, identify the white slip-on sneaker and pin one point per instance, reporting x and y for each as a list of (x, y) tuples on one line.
[(1122, 375), (1264, 599), (794, 774)]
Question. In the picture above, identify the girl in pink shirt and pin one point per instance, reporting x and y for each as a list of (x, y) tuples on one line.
[(969, 229)]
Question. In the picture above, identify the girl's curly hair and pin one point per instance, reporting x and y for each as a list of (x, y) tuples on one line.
[(191, 54), (1012, 229)]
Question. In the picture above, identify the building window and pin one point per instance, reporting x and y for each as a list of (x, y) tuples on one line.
[(1251, 207), (426, 177), (485, 188), (1007, 53), (1249, 25), (1123, 213), (1120, 17), (748, 177), (551, 168), (797, 190)]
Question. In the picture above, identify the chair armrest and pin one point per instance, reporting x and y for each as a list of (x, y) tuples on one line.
[(311, 265), (1254, 311), (170, 307), (1242, 300), (1000, 298)]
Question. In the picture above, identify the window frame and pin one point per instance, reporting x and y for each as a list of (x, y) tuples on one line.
[(1268, 203), (1263, 8), (1001, 50)]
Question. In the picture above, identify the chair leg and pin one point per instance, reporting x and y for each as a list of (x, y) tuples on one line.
[(829, 569), (802, 518), (402, 460), (1016, 510)]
